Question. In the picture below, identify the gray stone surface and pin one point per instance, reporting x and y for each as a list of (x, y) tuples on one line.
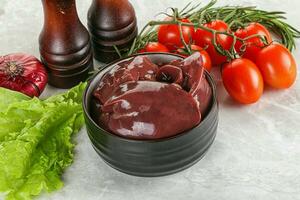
[(256, 152)]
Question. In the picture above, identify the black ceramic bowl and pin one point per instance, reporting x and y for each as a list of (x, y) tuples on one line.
[(150, 157)]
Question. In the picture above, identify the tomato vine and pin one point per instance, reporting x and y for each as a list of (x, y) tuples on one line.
[(235, 16)]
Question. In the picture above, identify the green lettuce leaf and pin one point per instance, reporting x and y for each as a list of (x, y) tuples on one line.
[(8, 96), (36, 141)]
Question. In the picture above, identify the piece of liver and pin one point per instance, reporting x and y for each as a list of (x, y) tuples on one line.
[(144, 101), (150, 110), (139, 68)]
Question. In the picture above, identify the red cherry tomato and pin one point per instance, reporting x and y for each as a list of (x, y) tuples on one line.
[(277, 65), (205, 57), (204, 39), (243, 80), (23, 73), (169, 35), (154, 47), (253, 45)]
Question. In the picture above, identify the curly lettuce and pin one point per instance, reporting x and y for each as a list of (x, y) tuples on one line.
[(36, 141)]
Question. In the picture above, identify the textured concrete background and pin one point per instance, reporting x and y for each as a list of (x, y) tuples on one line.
[(256, 152)]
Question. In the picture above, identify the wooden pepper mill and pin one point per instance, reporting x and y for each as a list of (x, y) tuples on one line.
[(111, 22), (65, 45)]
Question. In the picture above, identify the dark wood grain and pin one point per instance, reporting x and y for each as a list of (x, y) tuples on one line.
[(111, 22), (65, 45)]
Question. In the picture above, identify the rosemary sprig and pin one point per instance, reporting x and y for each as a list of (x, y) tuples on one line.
[(235, 16), (238, 16)]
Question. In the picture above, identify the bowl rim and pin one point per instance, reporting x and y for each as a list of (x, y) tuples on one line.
[(87, 114)]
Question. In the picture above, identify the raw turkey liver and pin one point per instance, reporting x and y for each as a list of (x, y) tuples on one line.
[(141, 100), (150, 110)]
